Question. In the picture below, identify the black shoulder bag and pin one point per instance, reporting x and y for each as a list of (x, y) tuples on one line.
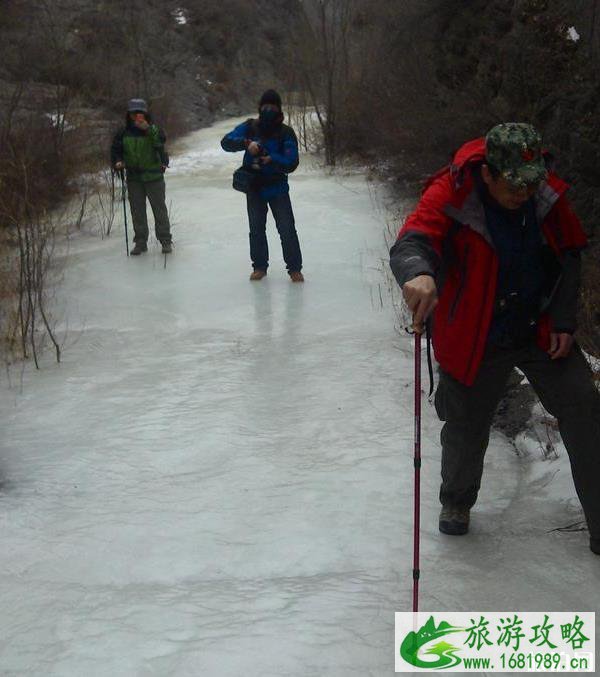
[(248, 180)]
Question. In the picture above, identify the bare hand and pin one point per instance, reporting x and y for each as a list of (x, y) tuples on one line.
[(560, 345), (253, 148), (420, 295), (266, 159), (119, 165), (141, 124)]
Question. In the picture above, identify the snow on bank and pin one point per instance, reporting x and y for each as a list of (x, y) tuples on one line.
[(180, 16), (59, 120), (218, 478)]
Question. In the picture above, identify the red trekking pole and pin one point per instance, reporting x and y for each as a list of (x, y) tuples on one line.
[(417, 462)]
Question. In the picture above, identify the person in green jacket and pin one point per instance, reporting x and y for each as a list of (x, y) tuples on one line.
[(139, 148)]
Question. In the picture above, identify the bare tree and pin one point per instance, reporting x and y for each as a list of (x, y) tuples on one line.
[(27, 226), (35, 235), (324, 71)]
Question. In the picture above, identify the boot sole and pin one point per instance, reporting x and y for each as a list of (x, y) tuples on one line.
[(453, 528)]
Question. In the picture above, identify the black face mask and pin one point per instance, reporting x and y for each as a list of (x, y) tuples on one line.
[(269, 118)]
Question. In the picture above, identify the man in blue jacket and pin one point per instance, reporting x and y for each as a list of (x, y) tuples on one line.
[(271, 149)]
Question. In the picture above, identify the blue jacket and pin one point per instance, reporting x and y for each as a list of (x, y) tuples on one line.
[(282, 146)]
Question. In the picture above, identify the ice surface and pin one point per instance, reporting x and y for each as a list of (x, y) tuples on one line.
[(217, 480)]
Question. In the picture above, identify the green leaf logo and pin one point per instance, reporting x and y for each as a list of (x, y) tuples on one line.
[(414, 642)]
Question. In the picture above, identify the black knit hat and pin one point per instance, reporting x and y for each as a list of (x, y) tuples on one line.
[(270, 96)]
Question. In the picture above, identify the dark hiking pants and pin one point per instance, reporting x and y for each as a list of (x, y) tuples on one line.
[(566, 390), (138, 191), (281, 208)]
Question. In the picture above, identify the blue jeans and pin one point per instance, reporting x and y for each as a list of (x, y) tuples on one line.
[(281, 208)]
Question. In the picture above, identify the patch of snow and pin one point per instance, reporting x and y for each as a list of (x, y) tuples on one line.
[(572, 34), (58, 120), (179, 16), (594, 362)]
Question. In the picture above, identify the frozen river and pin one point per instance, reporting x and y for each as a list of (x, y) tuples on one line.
[(217, 480)]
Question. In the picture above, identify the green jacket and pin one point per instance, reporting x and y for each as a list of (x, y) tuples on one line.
[(143, 152)]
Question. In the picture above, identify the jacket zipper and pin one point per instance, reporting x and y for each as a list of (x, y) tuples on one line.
[(481, 314)]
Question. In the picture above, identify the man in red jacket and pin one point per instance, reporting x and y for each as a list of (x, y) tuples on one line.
[(492, 251)]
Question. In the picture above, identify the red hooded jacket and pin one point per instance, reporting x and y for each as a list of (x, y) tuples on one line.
[(448, 231)]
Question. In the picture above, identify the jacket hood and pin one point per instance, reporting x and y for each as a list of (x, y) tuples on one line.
[(469, 153)]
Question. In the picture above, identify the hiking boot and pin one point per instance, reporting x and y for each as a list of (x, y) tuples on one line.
[(139, 248), (296, 276), (595, 545), (167, 248), (454, 521), (258, 274)]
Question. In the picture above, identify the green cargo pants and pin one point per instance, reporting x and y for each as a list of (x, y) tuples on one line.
[(138, 191), (566, 390)]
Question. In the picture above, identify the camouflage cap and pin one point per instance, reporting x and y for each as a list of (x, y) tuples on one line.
[(515, 150)]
